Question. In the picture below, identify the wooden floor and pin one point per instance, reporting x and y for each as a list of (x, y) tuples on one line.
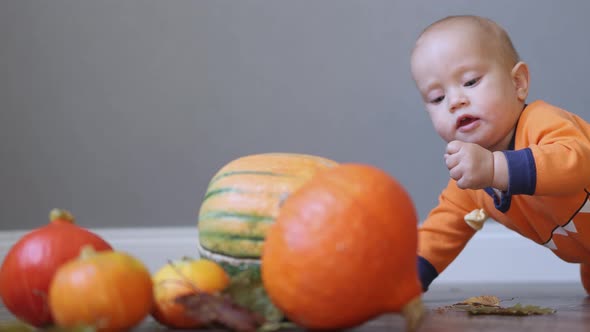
[(569, 300)]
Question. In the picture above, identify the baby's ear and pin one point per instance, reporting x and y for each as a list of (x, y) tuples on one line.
[(520, 78)]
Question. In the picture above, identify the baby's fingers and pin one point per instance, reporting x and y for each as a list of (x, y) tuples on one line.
[(452, 160), (453, 147)]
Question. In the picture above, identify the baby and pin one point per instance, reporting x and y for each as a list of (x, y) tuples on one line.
[(523, 164)]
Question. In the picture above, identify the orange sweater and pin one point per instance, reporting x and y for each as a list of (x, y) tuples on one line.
[(549, 186)]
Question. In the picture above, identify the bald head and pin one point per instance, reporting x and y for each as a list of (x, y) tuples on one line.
[(492, 36)]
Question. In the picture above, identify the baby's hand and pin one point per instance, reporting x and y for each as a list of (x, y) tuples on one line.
[(470, 165)]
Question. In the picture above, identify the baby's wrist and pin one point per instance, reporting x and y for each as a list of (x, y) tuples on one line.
[(500, 171)]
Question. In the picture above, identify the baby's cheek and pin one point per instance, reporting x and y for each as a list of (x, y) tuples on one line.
[(444, 130)]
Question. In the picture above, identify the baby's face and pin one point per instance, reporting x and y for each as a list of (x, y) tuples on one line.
[(469, 94)]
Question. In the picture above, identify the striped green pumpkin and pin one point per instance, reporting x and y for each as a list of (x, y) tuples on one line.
[(243, 199)]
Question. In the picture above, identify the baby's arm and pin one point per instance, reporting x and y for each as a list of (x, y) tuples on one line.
[(552, 153), (444, 233)]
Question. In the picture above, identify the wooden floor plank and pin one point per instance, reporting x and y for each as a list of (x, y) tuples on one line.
[(569, 300)]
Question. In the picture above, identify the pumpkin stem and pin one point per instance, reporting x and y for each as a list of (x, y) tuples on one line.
[(87, 251), (61, 214), (413, 312)]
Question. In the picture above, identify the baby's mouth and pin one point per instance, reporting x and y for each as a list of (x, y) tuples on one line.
[(465, 120)]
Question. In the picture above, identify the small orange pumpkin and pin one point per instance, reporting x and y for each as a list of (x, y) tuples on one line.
[(343, 250), (109, 290), (182, 277)]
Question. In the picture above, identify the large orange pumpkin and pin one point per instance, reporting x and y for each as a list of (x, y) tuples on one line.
[(343, 250)]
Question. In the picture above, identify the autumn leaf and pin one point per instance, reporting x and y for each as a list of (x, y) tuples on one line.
[(217, 309), (19, 326), (483, 300), (515, 310), (247, 289), (15, 326), (490, 305)]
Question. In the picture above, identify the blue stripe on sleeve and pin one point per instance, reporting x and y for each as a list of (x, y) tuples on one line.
[(502, 203), (426, 272), (522, 178), (522, 173)]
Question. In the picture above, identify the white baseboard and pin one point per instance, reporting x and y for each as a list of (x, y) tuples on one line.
[(153, 246), (493, 255)]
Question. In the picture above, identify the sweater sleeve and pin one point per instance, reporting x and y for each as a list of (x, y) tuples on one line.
[(554, 156), (444, 233)]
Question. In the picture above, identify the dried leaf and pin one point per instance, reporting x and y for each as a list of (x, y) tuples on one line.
[(15, 326), (515, 310), (490, 305), (483, 300), (246, 289), (19, 326), (276, 326), (81, 328), (217, 309)]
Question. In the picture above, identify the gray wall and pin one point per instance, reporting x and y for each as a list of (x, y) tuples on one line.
[(122, 110)]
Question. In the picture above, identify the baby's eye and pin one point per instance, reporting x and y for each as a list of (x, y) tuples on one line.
[(437, 100), (472, 82)]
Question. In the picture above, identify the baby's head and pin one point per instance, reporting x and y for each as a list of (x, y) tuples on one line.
[(471, 80)]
